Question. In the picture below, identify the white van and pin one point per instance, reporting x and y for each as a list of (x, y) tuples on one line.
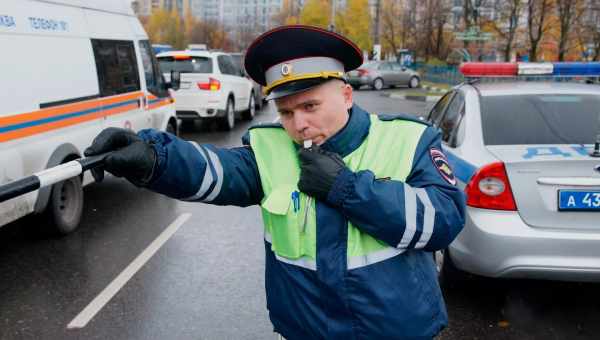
[(68, 69)]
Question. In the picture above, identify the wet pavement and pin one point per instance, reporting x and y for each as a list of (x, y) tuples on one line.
[(206, 281)]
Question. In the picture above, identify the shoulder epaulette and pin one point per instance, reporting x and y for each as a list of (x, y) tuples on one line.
[(402, 116)]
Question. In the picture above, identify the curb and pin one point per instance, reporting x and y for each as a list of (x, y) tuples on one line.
[(414, 98), (434, 89)]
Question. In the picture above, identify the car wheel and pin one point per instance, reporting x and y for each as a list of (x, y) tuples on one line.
[(448, 274), (251, 111), (356, 87), (172, 129), (414, 82), (227, 122), (378, 84), (65, 206), (188, 124)]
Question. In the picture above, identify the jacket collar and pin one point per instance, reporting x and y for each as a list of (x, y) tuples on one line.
[(352, 135)]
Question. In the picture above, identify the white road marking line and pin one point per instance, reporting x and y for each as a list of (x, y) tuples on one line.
[(102, 299)]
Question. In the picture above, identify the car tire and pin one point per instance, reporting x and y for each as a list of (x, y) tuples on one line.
[(227, 122), (65, 206), (172, 129), (449, 276), (251, 111), (378, 84), (188, 124), (414, 82), (356, 87)]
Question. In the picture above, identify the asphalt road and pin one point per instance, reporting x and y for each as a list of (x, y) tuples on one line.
[(206, 281)]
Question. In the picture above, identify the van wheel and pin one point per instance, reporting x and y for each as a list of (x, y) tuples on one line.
[(251, 111), (227, 122), (65, 206)]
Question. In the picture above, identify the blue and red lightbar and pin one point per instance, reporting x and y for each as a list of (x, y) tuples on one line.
[(564, 69)]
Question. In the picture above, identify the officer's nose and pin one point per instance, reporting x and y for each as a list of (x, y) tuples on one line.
[(300, 122)]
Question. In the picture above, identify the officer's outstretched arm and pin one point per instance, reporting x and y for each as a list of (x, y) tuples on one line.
[(181, 169), (425, 212)]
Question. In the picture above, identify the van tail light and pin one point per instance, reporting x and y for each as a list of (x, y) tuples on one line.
[(362, 72), (212, 85), (489, 188)]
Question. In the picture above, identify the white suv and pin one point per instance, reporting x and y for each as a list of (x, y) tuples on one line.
[(211, 87)]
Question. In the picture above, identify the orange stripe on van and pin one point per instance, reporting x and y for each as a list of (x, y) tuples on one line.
[(56, 112)]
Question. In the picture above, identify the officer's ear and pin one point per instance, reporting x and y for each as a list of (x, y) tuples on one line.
[(347, 93)]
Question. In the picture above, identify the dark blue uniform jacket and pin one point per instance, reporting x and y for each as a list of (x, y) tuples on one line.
[(397, 298)]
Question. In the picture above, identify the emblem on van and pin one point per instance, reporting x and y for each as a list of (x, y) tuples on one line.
[(286, 69)]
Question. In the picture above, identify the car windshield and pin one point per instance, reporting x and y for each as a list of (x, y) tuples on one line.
[(190, 65), (540, 119)]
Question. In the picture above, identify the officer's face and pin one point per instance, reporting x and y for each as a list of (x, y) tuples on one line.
[(316, 114)]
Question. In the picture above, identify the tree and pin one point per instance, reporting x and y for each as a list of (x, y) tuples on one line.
[(538, 24), (288, 15), (569, 12), (507, 24), (316, 13), (354, 22), (391, 26)]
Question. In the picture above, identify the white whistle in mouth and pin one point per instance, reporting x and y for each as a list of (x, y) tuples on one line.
[(307, 143)]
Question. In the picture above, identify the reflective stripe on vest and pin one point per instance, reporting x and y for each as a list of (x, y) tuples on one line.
[(291, 229)]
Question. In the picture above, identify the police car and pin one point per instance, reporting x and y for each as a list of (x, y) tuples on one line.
[(524, 154)]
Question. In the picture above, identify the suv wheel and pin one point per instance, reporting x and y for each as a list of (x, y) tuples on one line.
[(251, 111), (227, 122)]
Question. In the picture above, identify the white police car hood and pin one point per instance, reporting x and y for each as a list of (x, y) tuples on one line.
[(536, 174)]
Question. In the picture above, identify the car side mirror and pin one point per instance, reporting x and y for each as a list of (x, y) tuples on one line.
[(175, 80), (403, 68)]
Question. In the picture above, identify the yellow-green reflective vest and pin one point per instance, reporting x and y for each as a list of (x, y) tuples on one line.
[(387, 151)]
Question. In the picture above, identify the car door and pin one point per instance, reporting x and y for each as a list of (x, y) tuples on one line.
[(401, 74), (157, 100), (119, 82), (385, 72), (234, 82)]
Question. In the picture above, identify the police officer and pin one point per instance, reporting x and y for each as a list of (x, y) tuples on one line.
[(350, 221)]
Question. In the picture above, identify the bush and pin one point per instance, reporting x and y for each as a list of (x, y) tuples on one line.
[(436, 62)]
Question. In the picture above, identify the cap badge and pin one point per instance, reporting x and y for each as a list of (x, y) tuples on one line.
[(286, 69)]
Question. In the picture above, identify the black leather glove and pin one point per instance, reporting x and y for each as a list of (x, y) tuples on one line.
[(132, 157), (318, 171)]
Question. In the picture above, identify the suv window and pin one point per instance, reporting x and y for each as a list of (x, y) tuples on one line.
[(396, 67), (226, 65), (540, 119), (154, 79), (452, 117), (185, 65), (435, 115), (116, 66)]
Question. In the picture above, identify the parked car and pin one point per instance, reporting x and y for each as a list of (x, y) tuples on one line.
[(379, 74), (238, 60), (521, 152), (211, 88)]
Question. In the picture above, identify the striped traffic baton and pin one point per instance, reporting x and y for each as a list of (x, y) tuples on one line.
[(50, 176)]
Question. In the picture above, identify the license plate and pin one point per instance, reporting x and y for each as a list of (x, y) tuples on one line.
[(578, 200), (184, 85)]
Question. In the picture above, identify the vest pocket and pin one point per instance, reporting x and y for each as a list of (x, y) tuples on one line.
[(282, 219)]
